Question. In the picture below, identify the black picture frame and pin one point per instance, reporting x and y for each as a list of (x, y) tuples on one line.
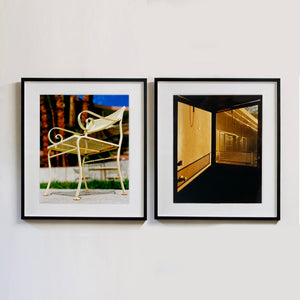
[(166, 89), (136, 89)]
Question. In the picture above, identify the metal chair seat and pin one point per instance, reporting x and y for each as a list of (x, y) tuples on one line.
[(87, 145)]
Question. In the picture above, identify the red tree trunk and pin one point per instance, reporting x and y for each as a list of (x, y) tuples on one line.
[(44, 131), (60, 119)]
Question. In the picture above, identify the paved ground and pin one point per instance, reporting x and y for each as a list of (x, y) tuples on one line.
[(223, 184), (60, 196)]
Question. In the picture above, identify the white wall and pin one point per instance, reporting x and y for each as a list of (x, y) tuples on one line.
[(151, 260)]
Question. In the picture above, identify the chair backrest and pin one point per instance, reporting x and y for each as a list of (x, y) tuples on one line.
[(94, 125)]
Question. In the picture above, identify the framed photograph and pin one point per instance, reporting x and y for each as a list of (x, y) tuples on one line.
[(217, 152), (84, 148)]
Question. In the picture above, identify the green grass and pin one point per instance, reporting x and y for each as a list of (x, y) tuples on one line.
[(93, 184)]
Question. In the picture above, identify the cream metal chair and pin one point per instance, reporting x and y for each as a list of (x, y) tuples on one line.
[(83, 145)]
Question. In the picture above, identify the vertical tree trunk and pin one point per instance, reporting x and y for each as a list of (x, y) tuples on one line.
[(50, 99), (72, 116), (60, 119), (44, 131)]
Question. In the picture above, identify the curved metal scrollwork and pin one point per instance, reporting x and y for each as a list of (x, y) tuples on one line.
[(91, 119), (59, 136), (89, 122)]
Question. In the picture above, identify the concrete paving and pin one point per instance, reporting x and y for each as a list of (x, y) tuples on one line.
[(97, 196)]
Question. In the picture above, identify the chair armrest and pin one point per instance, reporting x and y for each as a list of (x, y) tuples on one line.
[(59, 136), (91, 119)]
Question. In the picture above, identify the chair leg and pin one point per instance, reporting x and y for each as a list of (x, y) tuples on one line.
[(49, 182), (80, 172), (119, 172), (84, 179)]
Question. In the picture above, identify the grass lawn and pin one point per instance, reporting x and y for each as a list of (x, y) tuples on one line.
[(93, 184)]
